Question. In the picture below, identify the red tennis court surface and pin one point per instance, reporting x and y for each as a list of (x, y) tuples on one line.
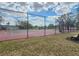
[(19, 34)]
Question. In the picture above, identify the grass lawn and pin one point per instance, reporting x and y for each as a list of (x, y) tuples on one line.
[(49, 45)]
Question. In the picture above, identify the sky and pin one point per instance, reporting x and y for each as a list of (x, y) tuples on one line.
[(49, 9)]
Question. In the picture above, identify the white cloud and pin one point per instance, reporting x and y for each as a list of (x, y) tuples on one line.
[(64, 7), (12, 21), (30, 6), (36, 21)]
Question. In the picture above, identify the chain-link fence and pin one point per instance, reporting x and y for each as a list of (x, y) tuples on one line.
[(20, 25)]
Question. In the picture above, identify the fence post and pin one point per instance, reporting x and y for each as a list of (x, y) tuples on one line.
[(27, 25), (44, 26), (55, 26)]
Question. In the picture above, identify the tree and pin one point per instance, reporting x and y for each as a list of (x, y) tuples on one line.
[(23, 25), (51, 26), (35, 27), (1, 19), (77, 18), (77, 25), (66, 21), (77, 15), (41, 27), (8, 23), (61, 23)]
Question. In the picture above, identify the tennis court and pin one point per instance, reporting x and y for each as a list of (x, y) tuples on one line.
[(19, 34)]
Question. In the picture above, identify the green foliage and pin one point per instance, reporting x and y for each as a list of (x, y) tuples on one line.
[(24, 25), (35, 27), (51, 26), (77, 25), (66, 21), (1, 19)]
